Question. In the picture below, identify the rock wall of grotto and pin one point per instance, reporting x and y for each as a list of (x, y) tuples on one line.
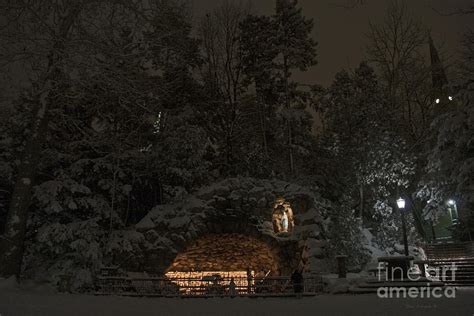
[(239, 206), (227, 252)]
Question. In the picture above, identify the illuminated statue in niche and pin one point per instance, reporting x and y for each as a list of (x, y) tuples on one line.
[(284, 222), (282, 217)]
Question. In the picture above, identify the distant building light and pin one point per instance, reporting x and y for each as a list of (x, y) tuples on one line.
[(437, 101), (450, 98)]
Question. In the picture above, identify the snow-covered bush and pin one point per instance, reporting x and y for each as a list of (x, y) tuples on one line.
[(388, 230), (345, 237)]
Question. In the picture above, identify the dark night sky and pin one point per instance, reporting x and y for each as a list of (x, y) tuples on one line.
[(340, 32)]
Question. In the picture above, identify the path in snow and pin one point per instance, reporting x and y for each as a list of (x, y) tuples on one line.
[(16, 302)]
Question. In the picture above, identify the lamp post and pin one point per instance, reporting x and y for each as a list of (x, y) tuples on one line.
[(453, 211), (401, 207)]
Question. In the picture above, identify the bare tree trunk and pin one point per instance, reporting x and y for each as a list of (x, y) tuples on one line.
[(261, 112), (263, 128), (12, 242), (287, 104), (112, 204), (361, 205), (290, 145)]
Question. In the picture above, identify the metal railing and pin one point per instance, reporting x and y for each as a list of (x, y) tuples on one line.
[(205, 287)]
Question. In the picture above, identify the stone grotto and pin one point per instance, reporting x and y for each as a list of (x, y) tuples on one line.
[(236, 225)]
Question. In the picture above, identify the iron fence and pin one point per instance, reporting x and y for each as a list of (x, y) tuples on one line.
[(206, 286)]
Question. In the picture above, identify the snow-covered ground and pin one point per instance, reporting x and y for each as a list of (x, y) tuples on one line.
[(43, 301)]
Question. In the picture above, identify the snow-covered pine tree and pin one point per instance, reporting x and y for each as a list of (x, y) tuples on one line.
[(450, 163), (259, 52), (41, 35), (96, 160), (296, 50), (355, 117)]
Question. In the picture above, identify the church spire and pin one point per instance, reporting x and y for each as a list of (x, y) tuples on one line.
[(438, 75)]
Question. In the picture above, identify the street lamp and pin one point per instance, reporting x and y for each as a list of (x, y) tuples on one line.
[(453, 211), (401, 207), (401, 203)]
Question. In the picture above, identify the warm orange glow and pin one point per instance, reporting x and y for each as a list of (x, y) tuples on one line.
[(193, 282), (225, 252), (219, 264), (202, 274)]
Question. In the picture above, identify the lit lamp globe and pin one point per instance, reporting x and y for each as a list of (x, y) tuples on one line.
[(401, 203), (451, 202)]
